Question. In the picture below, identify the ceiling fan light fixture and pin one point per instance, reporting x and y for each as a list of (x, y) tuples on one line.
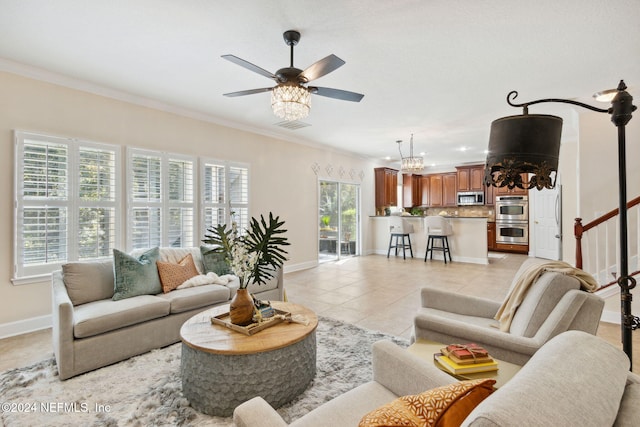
[(290, 102)]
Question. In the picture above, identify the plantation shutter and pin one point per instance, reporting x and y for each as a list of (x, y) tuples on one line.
[(226, 194), (97, 216), (65, 202), (145, 193), (181, 207), (162, 202)]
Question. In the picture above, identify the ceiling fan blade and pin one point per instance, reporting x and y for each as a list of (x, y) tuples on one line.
[(321, 68), (249, 66), (337, 93), (248, 92)]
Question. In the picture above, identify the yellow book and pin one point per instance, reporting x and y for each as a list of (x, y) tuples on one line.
[(458, 369)]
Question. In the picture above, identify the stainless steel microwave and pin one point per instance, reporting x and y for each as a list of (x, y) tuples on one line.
[(470, 198)]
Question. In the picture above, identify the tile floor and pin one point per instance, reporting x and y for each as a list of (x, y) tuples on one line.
[(371, 291)]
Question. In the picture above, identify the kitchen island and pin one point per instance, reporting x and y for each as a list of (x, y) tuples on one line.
[(468, 242)]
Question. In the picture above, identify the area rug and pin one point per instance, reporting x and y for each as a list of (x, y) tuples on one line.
[(146, 390)]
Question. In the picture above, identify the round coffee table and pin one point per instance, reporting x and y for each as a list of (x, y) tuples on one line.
[(222, 368)]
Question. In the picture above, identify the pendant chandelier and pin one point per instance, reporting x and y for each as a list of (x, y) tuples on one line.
[(411, 163), (290, 102)]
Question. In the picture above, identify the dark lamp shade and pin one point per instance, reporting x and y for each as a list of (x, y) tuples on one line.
[(525, 144)]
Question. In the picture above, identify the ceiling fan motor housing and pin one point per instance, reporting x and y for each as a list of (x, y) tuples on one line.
[(291, 37)]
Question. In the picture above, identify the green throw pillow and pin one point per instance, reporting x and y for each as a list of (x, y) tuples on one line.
[(214, 261), (136, 276)]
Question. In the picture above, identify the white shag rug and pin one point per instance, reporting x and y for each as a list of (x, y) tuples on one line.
[(146, 390)]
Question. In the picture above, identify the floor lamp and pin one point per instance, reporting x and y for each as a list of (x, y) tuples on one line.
[(523, 152)]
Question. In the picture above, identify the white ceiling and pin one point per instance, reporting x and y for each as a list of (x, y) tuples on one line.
[(438, 69)]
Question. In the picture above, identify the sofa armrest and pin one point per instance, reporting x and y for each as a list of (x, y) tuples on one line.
[(257, 412), (502, 345), (456, 303), (404, 373), (62, 326)]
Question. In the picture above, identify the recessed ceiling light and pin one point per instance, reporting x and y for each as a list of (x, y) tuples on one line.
[(423, 154), (388, 158), (462, 149)]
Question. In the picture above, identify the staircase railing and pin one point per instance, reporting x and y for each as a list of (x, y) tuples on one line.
[(600, 250)]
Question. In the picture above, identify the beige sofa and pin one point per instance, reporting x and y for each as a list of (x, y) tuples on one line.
[(90, 330), (575, 379)]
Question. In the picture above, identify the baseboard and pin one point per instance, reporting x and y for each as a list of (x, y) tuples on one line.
[(610, 317), (21, 327), (468, 260), (608, 292), (301, 266)]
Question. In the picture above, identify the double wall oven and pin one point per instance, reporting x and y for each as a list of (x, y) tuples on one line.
[(512, 220)]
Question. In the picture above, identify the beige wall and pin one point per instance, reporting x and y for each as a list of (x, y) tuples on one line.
[(597, 157), (281, 176)]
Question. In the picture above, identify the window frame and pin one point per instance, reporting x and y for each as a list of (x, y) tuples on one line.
[(164, 203), (122, 203), (72, 201)]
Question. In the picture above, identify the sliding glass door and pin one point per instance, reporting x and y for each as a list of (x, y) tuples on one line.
[(338, 220)]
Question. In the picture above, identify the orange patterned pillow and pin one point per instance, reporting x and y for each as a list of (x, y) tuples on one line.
[(442, 407), (174, 275)]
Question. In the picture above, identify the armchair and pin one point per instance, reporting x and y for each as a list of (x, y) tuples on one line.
[(553, 304)]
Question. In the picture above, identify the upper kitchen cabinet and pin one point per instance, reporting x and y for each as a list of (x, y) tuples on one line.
[(386, 187), (411, 190), (489, 195), (470, 178), (443, 190), (425, 190), (450, 189), (505, 191)]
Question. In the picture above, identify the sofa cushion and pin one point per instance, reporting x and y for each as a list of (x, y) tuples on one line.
[(214, 261), (541, 298), (173, 275), (448, 405), (136, 275), (575, 379), (102, 316), (191, 298), (88, 281)]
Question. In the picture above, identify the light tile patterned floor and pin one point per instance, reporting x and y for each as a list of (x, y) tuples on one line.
[(371, 291)]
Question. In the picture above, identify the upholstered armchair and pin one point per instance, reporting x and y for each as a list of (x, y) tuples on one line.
[(552, 304)]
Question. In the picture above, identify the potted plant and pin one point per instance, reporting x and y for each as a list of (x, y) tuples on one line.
[(253, 256)]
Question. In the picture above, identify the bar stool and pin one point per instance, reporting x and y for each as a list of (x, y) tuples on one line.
[(400, 229), (438, 228)]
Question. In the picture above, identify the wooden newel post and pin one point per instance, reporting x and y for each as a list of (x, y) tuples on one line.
[(577, 231)]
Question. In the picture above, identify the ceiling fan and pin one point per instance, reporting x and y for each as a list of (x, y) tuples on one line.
[(290, 98)]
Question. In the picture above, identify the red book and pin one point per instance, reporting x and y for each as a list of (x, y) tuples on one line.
[(467, 351)]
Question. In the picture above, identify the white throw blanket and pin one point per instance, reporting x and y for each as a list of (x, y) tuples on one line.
[(528, 277), (210, 278)]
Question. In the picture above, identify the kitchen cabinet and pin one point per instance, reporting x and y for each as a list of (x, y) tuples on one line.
[(386, 180), (505, 191), (506, 247), (411, 191), (435, 191), (425, 190), (470, 178), (443, 190), (491, 236), (450, 189), (489, 195)]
